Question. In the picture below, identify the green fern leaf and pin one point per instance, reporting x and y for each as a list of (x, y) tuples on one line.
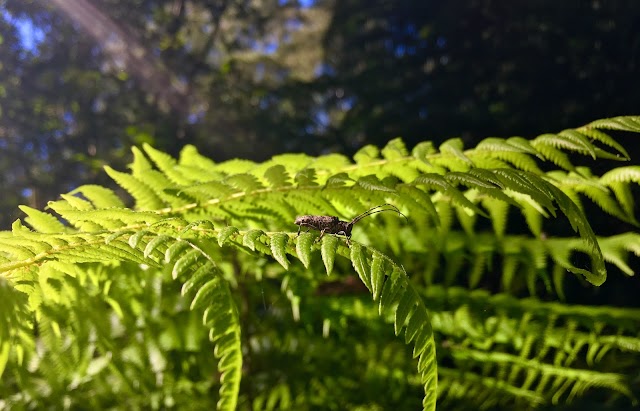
[(423, 150), (390, 291), (378, 273), (622, 123), (42, 222), (145, 198), (399, 297), (328, 250), (168, 165), (277, 176), (483, 186), (597, 135), (439, 183), (358, 259), (581, 225), (251, 237), (306, 178), (455, 147), (304, 245), (551, 153), (622, 174), (155, 243), (141, 164), (405, 306), (225, 234), (189, 156), (205, 293), (279, 248), (184, 264), (221, 316), (366, 155), (244, 182), (568, 139), (201, 224), (372, 183), (209, 191), (606, 140), (135, 239), (76, 202), (117, 234), (199, 277), (416, 198), (579, 140), (394, 149), (338, 180), (101, 197), (174, 251)]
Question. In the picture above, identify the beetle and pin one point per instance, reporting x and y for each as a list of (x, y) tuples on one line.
[(333, 225)]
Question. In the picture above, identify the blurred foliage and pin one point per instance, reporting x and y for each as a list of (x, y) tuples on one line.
[(110, 307)]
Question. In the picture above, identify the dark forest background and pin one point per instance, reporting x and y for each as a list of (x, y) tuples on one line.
[(83, 81)]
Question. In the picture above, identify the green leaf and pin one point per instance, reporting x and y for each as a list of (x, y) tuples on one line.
[(395, 149), (304, 245), (101, 197), (5, 348), (328, 251), (201, 275), (455, 147), (405, 307), (144, 196), (358, 259), (277, 176), (251, 237), (76, 202), (279, 248), (373, 183), (204, 295), (225, 234), (168, 165), (175, 250), (155, 243), (42, 222), (135, 239), (185, 263), (367, 154), (378, 273)]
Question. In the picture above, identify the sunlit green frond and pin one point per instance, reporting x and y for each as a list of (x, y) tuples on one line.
[(404, 302), (144, 196), (42, 222), (99, 279), (168, 166), (99, 196)]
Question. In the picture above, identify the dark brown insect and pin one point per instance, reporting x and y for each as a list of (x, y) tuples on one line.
[(333, 225)]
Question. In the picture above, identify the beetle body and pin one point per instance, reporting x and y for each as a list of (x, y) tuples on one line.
[(324, 224), (333, 225)]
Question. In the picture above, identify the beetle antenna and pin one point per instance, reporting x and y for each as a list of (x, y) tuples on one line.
[(377, 209)]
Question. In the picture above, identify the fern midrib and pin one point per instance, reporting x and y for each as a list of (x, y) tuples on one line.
[(54, 250), (580, 374), (98, 238)]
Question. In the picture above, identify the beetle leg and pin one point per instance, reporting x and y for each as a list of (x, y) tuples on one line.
[(321, 234), (309, 227)]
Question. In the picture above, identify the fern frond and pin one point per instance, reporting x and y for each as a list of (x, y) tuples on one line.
[(210, 227)]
